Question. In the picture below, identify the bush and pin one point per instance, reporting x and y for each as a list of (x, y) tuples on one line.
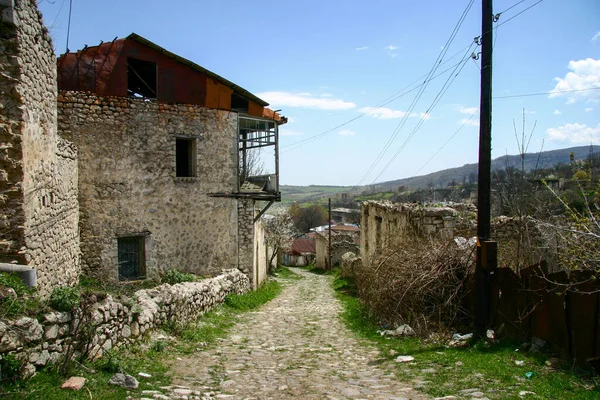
[(10, 367), (13, 281), (173, 276), (65, 298), (110, 363), (419, 282)]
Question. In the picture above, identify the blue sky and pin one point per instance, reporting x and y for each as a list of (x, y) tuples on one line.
[(325, 63)]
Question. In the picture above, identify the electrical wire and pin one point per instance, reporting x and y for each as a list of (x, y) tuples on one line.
[(519, 13), (434, 103), (399, 94), (544, 93), (447, 141), (420, 93)]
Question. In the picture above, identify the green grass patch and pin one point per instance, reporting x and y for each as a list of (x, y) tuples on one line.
[(490, 368), (266, 292), (286, 273)]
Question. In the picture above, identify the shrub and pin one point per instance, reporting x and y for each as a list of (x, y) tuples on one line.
[(13, 281), (419, 282), (110, 363), (10, 367), (173, 276), (65, 298)]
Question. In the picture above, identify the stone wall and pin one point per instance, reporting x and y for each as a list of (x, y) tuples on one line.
[(38, 169), (382, 223), (341, 243), (128, 185), (246, 233), (262, 255), (114, 322)]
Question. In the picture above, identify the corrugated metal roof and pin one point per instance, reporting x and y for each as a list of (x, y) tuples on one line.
[(236, 88)]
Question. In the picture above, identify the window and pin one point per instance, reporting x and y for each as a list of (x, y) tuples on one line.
[(132, 260), (141, 78), (238, 103), (185, 157)]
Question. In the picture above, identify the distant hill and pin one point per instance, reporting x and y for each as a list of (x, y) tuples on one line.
[(545, 159)]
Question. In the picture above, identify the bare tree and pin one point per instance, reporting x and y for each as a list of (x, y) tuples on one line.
[(280, 233)]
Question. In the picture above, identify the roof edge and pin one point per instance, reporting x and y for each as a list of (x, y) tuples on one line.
[(140, 39)]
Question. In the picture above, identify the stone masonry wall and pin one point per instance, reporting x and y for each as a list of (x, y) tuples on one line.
[(128, 187), (341, 243), (38, 169), (115, 323), (246, 233), (383, 222)]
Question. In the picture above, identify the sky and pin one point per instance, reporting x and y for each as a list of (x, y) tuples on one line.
[(330, 66)]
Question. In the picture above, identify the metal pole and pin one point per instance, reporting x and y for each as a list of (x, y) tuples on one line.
[(483, 263), (329, 250)]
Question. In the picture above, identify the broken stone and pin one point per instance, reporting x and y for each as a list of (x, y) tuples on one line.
[(74, 383), (144, 375), (524, 393), (403, 359), (7, 293), (126, 381)]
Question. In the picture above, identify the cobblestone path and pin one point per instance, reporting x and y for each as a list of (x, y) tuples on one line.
[(293, 347)]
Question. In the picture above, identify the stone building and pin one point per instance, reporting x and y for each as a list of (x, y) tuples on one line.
[(38, 169), (383, 223), (164, 179), (344, 239)]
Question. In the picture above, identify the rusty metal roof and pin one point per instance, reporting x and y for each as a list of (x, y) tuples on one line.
[(236, 88)]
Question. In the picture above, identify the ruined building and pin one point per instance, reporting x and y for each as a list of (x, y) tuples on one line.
[(160, 171)]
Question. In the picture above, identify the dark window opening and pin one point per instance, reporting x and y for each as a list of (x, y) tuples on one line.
[(239, 103), (185, 157), (141, 78), (132, 260)]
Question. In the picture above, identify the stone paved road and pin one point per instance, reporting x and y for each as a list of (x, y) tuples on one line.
[(293, 347)]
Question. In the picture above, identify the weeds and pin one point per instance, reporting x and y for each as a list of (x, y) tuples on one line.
[(490, 368), (173, 277)]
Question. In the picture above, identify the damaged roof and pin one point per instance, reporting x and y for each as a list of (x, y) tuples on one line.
[(238, 89)]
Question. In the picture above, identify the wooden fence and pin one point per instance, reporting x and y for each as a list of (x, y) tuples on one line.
[(562, 309)]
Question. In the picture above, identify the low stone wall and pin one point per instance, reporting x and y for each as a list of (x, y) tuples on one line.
[(114, 322)]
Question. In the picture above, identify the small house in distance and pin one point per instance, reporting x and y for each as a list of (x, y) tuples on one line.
[(164, 147)]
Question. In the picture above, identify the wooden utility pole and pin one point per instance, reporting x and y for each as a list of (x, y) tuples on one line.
[(329, 231), (486, 249)]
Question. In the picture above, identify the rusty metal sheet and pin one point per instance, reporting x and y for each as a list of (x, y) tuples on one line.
[(582, 316), (554, 299), (512, 304)]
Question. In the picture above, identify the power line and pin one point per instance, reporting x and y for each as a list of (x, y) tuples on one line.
[(401, 93), (420, 93), (447, 141), (516, 15), (545, 93), (434, 103), (511, 7)]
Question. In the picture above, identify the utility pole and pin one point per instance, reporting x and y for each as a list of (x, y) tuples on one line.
[(329, 231), (486, 248)]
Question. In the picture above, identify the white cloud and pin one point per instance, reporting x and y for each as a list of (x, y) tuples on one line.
[(595, 38), (585, 75), (285, 131), (362, 48), (467, 110), (388, 113), (304, 100), (575, 133), (391, 47), (382, 112), (469, 122), (326, 95), (588, 109), (557, 112), (345, 132)]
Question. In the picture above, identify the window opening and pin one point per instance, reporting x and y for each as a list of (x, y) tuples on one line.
[(141, 78), (238, 103), (131, 257), (185, 157)]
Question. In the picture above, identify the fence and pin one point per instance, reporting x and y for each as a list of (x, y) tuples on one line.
[(563, 309)]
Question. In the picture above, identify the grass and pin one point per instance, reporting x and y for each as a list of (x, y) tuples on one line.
[(286, 273), (442, 371), (144, 357)]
